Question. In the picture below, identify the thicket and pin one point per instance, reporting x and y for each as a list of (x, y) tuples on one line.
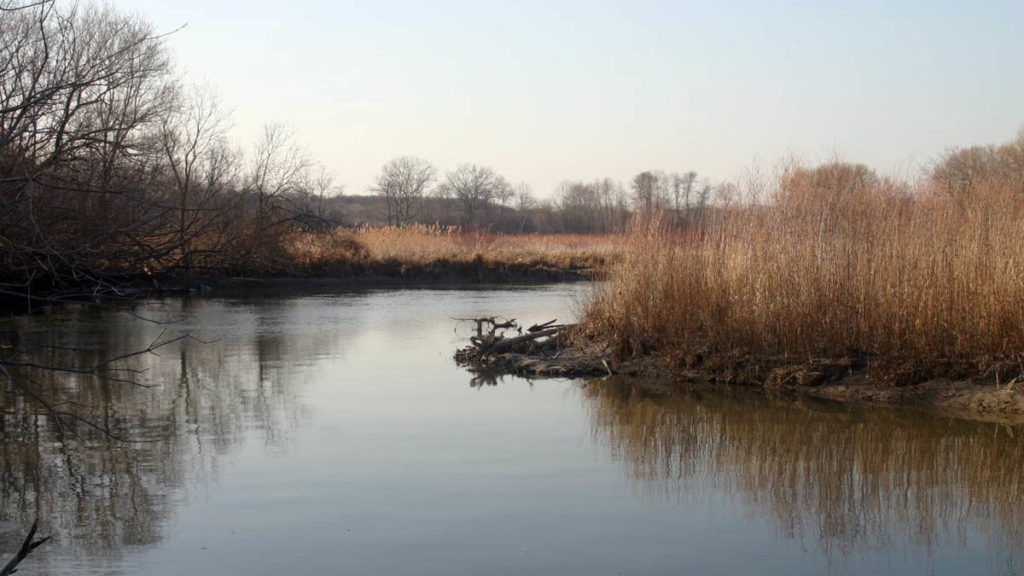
[(837, 262)]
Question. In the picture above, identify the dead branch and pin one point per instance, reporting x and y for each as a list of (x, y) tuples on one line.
[(26, 548), (491, 338), (539, 327), (509, 343), (494, 322)]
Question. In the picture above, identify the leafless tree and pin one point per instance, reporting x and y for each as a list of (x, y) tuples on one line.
[(194, 144), (600, 206), (278, 167), (650, 190), (525, 202), (475, 189), (82, 91), (308, 204), (403, 182)]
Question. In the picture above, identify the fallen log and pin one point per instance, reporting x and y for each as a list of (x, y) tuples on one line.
[(490, 339), (507, 344)]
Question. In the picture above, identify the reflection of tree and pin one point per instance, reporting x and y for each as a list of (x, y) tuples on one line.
[(93, 493), (850, 477)]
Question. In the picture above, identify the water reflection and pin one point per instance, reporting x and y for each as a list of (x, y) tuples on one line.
[(846, 477), (237, 379), (344, 420)]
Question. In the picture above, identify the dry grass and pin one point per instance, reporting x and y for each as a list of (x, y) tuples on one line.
[(837, 265), (426, 245)]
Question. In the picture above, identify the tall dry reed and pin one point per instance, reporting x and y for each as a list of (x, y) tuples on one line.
[(424, 245), (839, 263)]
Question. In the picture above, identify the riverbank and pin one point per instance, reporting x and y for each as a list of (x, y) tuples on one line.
[(846, 285), (410, 256), (975, 390), (396, 274)]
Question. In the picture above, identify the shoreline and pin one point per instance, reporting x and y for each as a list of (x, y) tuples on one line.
[(386, 274), (839, 379), (443, 274)]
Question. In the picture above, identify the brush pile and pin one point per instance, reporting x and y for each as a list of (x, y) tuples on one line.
[(495, 336)]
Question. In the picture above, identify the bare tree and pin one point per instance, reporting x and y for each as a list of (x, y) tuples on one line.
[(525, 202), (308, 204), (194, 144), (650, 190), (82, 91), (403, 182), (475, 189), (278, 167)]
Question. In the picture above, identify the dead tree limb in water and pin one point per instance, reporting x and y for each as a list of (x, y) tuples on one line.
[(495, 323), (510, 343), (26, 548), (492, 341)]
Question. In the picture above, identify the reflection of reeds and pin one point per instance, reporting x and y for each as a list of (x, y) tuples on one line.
[(839, 264), (849, 477)]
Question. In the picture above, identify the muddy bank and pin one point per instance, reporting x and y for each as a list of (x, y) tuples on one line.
[(400, 275), (382, 274), (977, 396)]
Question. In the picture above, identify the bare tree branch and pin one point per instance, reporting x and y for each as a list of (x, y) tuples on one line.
[(27, 547)]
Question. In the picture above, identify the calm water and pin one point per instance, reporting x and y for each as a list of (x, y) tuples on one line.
[(334, 435)]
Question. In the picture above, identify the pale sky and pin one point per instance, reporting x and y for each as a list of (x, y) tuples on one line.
[(552, 90)]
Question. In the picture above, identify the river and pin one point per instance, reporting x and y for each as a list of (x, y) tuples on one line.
[(333, 434)]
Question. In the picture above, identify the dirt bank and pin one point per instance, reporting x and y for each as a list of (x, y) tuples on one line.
[(379, 274), (950, 390), (397, 274)]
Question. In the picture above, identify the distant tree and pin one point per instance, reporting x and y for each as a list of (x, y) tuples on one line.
[(403, 182), (961, 172), (444, 200), (682, 186), (309, 204), (650, 190), (827, 182), (474, 189), (580, 206), (614, 205), (822, 195), (525, 203)]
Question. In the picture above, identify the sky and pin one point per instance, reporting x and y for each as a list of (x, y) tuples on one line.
[(554, 90)]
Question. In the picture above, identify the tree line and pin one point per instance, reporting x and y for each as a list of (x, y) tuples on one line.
[(113, 166), (471, 196)]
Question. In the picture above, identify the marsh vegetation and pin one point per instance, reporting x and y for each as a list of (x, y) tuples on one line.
[(920, 280)]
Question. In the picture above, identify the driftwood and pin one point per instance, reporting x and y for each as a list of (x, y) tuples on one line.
[(26, 548), (510, 343), (493, 337), (545, 350)]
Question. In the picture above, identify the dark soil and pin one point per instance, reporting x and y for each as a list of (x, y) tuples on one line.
[(382, 274), (960, 389)]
